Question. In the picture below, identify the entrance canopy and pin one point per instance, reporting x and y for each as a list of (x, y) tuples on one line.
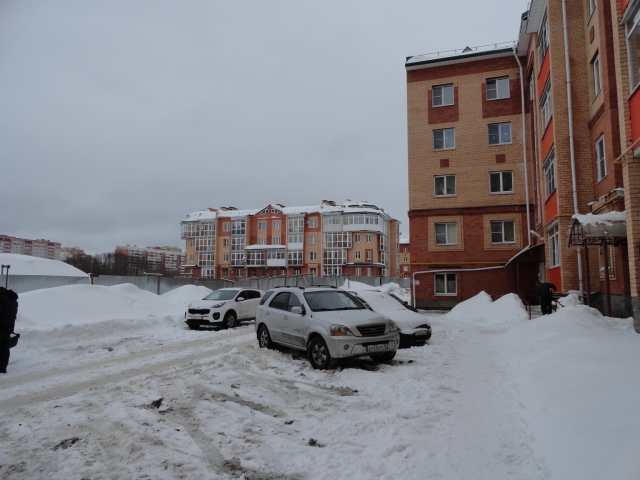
[(595, 230)]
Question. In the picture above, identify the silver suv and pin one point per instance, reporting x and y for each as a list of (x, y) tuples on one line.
[(327, 323)]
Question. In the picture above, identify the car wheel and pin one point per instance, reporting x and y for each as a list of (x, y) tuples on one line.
[(319, 355), (383, 357), (230, 320), (264, 339)]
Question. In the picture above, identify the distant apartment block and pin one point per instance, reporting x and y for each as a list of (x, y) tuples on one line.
[(356, 238), (34, 248), (153, 259)]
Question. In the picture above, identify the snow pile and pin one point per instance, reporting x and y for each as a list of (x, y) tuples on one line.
[(601, 218), (578, 381), (77, 305), (481, 309), (186, 294), (27, 265)]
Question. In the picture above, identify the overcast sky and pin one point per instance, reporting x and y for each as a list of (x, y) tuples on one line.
[(119, 117)]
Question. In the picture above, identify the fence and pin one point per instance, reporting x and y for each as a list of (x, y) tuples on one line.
[(158, 284)]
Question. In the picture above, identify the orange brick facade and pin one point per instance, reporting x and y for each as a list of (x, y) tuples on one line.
[(580, 147)]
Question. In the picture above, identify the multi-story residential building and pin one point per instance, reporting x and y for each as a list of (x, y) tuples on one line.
[(404, 257), (575, 140), (469, 211), (34, 248), (152, 259), (356, 238)]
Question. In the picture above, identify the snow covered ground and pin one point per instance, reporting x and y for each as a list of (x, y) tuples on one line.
[(108, 383)]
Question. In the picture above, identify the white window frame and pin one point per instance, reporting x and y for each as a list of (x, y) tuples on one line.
[(313, 256), (549, 168), (601, 161), (275, 240), (262, 241), (225, 242), (225, 257), (501, 182), (356, 238), (443, 95), (358, 255), (368, 238), (450, 230), (554, 246), (226, 226), (444, 139), (543, 38), (313, 239), (500, 228), (313, 223), (498, 88), (546, 105), (500, 133), (369, 256), (276, 225), (592, 6), (444, 185), (632, 28), (262, 225), (597, 75), (446, 279)]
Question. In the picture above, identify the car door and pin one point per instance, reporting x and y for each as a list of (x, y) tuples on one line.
[(273, 314), (294, 326), (247, 308)]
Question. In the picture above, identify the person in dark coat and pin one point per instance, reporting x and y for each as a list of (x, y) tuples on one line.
[(8, 313), (545, 293)]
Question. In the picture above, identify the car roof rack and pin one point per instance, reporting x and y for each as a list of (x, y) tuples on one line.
[(288, 286)]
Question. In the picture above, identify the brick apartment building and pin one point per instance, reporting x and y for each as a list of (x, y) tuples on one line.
[(34, 248), (568, 81), (356, 238), (153, 259)]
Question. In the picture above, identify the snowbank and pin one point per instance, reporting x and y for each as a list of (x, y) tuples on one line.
[(27, 265), (482, 310)]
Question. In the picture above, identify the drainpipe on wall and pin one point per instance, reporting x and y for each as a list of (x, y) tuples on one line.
[(571, 145), (524, 149)]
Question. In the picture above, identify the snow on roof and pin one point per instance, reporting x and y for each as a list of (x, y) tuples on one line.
[(602, 218), (459, 54), (348, 207), (28, 265)]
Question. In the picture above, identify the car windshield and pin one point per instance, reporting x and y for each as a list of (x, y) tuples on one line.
[(221, 295), (332, 300), (382, 301)]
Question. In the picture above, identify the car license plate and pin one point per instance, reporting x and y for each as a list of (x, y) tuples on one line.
[(421, 333), (377, 346)]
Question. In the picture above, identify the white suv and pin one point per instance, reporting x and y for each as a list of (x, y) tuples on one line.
[(225, 307), (327, 323)]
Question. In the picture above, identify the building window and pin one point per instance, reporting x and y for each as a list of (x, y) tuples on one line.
[(262, 225), (498, 88), (275, 241), (191, 258), (358, 271), (358, 255), (406, 259), (446, 284), (499, 133), (226, 226), (444, 139), (276, 225), (554, 246), (633, 48), (446, 233), (550, 173), (239, 272), (295, 257), (543, 39), (313, 239), (597, 78), (313, 256), (546, 105), (368, 271), (501, 182), (503, 231), (225, 257), (368, 238), (600, 158), (313, 223), (313, 271), (592, 6), (225, 272), (445, 185), (369, 256), (356, 238), (443, 95), (262, 241), (225, 242)]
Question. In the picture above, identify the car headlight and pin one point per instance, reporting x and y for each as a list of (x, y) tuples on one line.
[(392, 326), (339, 331), (218, 305)]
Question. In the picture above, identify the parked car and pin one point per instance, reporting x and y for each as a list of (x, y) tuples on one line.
[(328, 323), (414, 328), (224, 307)]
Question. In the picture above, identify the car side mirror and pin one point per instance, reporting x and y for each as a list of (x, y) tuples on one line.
[(297, 310), (240, 299)]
